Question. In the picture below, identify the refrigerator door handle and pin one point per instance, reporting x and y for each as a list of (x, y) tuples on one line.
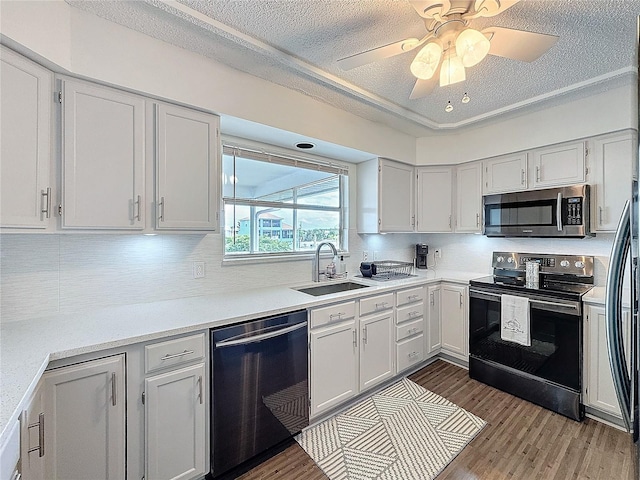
[(617, 361)]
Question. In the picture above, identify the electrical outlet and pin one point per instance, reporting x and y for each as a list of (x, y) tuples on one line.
[(198, 269), (365, 256), (438, 253)]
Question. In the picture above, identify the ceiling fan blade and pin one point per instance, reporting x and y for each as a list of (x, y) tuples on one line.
[(422, 88), (518, 44), (379, 53)]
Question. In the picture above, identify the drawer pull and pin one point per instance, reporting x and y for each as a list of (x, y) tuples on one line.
[(336, 316), (413, 314), (176, 355), (411, 331), (114, 394), (412, 297), (413, 354), (381, 305), (200, 390), (40, 425)]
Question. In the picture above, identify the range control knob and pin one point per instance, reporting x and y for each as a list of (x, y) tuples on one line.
[(579, 264), (510, 260), (500, 259), (565, 263)]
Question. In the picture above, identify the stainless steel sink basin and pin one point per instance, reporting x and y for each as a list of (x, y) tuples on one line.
[(331, 288)]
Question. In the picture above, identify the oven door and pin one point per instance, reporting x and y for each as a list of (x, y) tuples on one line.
[(555, 354)]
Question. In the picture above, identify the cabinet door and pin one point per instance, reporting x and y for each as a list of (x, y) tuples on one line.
[(26, 91), (469, 198), (32, 451), (102, 158), (187, 166), (611, 185), (175, 424), (505, 174), (376, 350), (453, 320), (333, 365), (84, 407), (396, 197), (559, 165), (434, 339), (434, 205)]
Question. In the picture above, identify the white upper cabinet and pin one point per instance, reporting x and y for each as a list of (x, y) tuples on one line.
[(435, 199), (187, 169), (26, 95), (611, 180), (559, 165), (469, 198), (102, 158), (385, 196), (505, 174)]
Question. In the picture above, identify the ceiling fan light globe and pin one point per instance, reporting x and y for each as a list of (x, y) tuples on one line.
[(452, 71), (471, 47), (427, 60)]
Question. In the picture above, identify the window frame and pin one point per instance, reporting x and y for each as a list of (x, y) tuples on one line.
[(270, 154)]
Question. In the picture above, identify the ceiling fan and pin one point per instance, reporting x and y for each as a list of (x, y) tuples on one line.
[(450, 45)]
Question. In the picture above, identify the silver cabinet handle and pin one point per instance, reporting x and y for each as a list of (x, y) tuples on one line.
[(200, 389), (413, 314), (137, 203), (47, 203), (40, 425), (412, 297), (114, 393), (522, 176), (537, 173), (16, 475), (449, 221), (559, 212), (600, 215), (432, 299), (161, 208), (336, 315), (355, 338), (477, 219), (381, 305), (413, 220), (364, 335), (460, 299), (176, 355), (412, 354), (411, 331)]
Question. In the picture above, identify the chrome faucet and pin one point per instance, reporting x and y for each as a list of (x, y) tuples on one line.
[(316, 260)]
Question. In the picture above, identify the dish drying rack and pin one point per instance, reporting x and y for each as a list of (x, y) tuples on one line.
[(390, 269)]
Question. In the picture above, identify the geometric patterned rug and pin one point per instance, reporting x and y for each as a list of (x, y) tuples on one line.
[(404, 432)]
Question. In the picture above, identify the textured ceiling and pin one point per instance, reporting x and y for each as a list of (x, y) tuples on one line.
[(296, 43)]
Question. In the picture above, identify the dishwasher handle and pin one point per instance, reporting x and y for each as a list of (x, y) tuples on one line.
[(260, 337)]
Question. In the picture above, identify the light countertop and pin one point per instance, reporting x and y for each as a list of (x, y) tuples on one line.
[(27, 346)]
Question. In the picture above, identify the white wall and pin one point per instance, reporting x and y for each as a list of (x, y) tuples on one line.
[(602, 112), (89, 46)]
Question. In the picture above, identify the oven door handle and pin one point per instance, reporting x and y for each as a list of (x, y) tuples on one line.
[(531, 300), (260, 337), (559, 212), (613, 298)]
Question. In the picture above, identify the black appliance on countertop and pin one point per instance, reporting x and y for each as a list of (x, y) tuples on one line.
[(260, 394), (549, 372), (421, 255)]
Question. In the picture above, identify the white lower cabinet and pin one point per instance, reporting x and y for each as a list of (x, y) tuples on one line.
[(175, 424), (32, 424), (84, 416), (434, 338), (454, 320), (600, 392), (376, 349), (333, 365)]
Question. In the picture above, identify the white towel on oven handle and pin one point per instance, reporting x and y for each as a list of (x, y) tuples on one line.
[(514, 319)]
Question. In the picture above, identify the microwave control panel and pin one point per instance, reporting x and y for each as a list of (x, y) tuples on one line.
[(573, 211)]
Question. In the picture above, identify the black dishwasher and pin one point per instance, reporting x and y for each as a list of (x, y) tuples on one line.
[(259, 387)]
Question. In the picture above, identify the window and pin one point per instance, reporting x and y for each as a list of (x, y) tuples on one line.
[(275, 204)]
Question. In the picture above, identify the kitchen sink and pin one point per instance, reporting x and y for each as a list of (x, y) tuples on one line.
[(331, 288)]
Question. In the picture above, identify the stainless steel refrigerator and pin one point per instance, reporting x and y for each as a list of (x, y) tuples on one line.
[(626, 371)]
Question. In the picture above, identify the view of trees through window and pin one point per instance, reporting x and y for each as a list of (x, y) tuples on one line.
[(280, 207)]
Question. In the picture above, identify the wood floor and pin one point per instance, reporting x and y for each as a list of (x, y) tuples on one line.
[(520, 441)]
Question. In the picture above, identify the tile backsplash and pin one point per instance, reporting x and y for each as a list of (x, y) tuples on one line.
[(46, 274)]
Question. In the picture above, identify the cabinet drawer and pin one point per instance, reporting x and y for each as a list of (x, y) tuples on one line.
[(375, 304), (411, 295), (410, 312), (332, 314), (174, 352), (410, 328), (410, 352)]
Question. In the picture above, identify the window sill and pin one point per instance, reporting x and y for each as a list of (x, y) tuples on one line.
[(287, 257)]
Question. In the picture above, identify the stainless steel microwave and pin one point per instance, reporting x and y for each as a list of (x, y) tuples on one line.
[(552, 212)]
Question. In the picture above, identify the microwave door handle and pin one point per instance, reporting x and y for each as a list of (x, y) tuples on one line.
[(613, 297), (559, 212)]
